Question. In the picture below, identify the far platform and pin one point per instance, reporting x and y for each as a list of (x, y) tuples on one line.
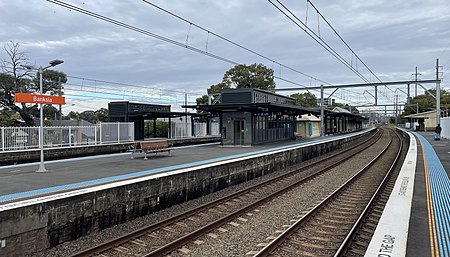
[(22, 181)]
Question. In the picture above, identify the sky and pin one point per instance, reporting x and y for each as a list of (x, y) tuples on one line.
[(164, 61)]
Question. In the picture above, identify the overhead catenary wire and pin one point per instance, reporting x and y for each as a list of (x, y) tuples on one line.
[(165, 39), (174, 42), (321, 42), (342, 39), (233, 43), (124, 84), (191, 23), (315, 37)]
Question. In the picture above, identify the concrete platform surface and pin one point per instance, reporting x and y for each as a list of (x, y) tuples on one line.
[(22, 180)]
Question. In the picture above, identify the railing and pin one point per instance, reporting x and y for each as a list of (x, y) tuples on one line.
[(24, 138)]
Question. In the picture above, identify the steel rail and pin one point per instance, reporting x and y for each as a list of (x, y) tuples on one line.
[(347, 241), (96, 250), (274, 244)]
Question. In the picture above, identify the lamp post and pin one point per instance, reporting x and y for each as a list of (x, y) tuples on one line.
[(41, 113)]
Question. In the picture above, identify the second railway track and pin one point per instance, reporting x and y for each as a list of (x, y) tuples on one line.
[(173, 233)]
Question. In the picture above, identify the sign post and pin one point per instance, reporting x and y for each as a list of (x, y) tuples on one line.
[(40, 99)]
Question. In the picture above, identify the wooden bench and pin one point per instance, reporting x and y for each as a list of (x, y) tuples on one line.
[(297, 136), (147, 147)]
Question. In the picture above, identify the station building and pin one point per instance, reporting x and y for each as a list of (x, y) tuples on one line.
[(250, 116)]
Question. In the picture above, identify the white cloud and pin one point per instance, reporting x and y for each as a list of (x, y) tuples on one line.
[(391, 37)]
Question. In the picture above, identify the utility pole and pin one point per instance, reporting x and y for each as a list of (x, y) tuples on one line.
[(438, 95)]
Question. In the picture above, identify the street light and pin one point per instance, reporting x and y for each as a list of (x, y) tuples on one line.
[(41, 114)]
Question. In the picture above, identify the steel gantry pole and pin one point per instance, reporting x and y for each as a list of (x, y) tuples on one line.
[(438, 95), (322, 113)]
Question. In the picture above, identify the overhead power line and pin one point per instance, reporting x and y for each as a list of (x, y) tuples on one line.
[(174, 42), (171, 41), (233, 43), (340, 37), (124, 84), (191, 23), (291, 16), (317, 37)]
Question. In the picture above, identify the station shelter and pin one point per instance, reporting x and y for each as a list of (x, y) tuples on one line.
[(424, 121), (250, 116), (339, 120), (308, 126), (124, 111)]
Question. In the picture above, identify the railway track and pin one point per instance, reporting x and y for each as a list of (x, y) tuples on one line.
[(327, 229), (179, 230)]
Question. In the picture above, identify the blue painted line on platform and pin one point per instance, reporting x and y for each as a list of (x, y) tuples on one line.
[(440, 193), (55, 189)]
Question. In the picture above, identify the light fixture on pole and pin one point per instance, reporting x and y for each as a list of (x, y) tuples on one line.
[(41, 113)]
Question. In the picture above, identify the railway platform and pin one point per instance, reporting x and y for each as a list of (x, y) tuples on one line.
[(416, 219), (81, 195)]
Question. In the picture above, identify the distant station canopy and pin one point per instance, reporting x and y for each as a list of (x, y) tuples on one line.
[(125, 111)]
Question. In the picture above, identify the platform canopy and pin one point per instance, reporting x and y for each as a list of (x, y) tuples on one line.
[(255, 108)]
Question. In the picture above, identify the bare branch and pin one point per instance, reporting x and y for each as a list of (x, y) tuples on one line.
[(16, 60)]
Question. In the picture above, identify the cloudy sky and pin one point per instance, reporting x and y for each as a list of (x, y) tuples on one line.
[(107, 62)]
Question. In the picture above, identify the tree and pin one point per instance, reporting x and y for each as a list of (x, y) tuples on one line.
[(306, 99), (242, 76), (253, 76), (102, 115), (426, 102), (212, 90), (15, 78)]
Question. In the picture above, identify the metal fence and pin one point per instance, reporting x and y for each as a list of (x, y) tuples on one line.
[(184, 129), (22, 138)]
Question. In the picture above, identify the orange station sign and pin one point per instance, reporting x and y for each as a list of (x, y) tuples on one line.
[(40, 99)]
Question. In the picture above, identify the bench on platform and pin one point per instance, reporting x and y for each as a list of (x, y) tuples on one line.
[(147, 147)]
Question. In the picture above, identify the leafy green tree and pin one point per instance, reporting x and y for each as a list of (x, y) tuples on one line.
[(102, 115), (253, 76), (72, 116), (243, 76), (9, 118), (50, 112), (426, 102), (202, 99), (16, 78), (161, 129), (306, 99), (212, 90)]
